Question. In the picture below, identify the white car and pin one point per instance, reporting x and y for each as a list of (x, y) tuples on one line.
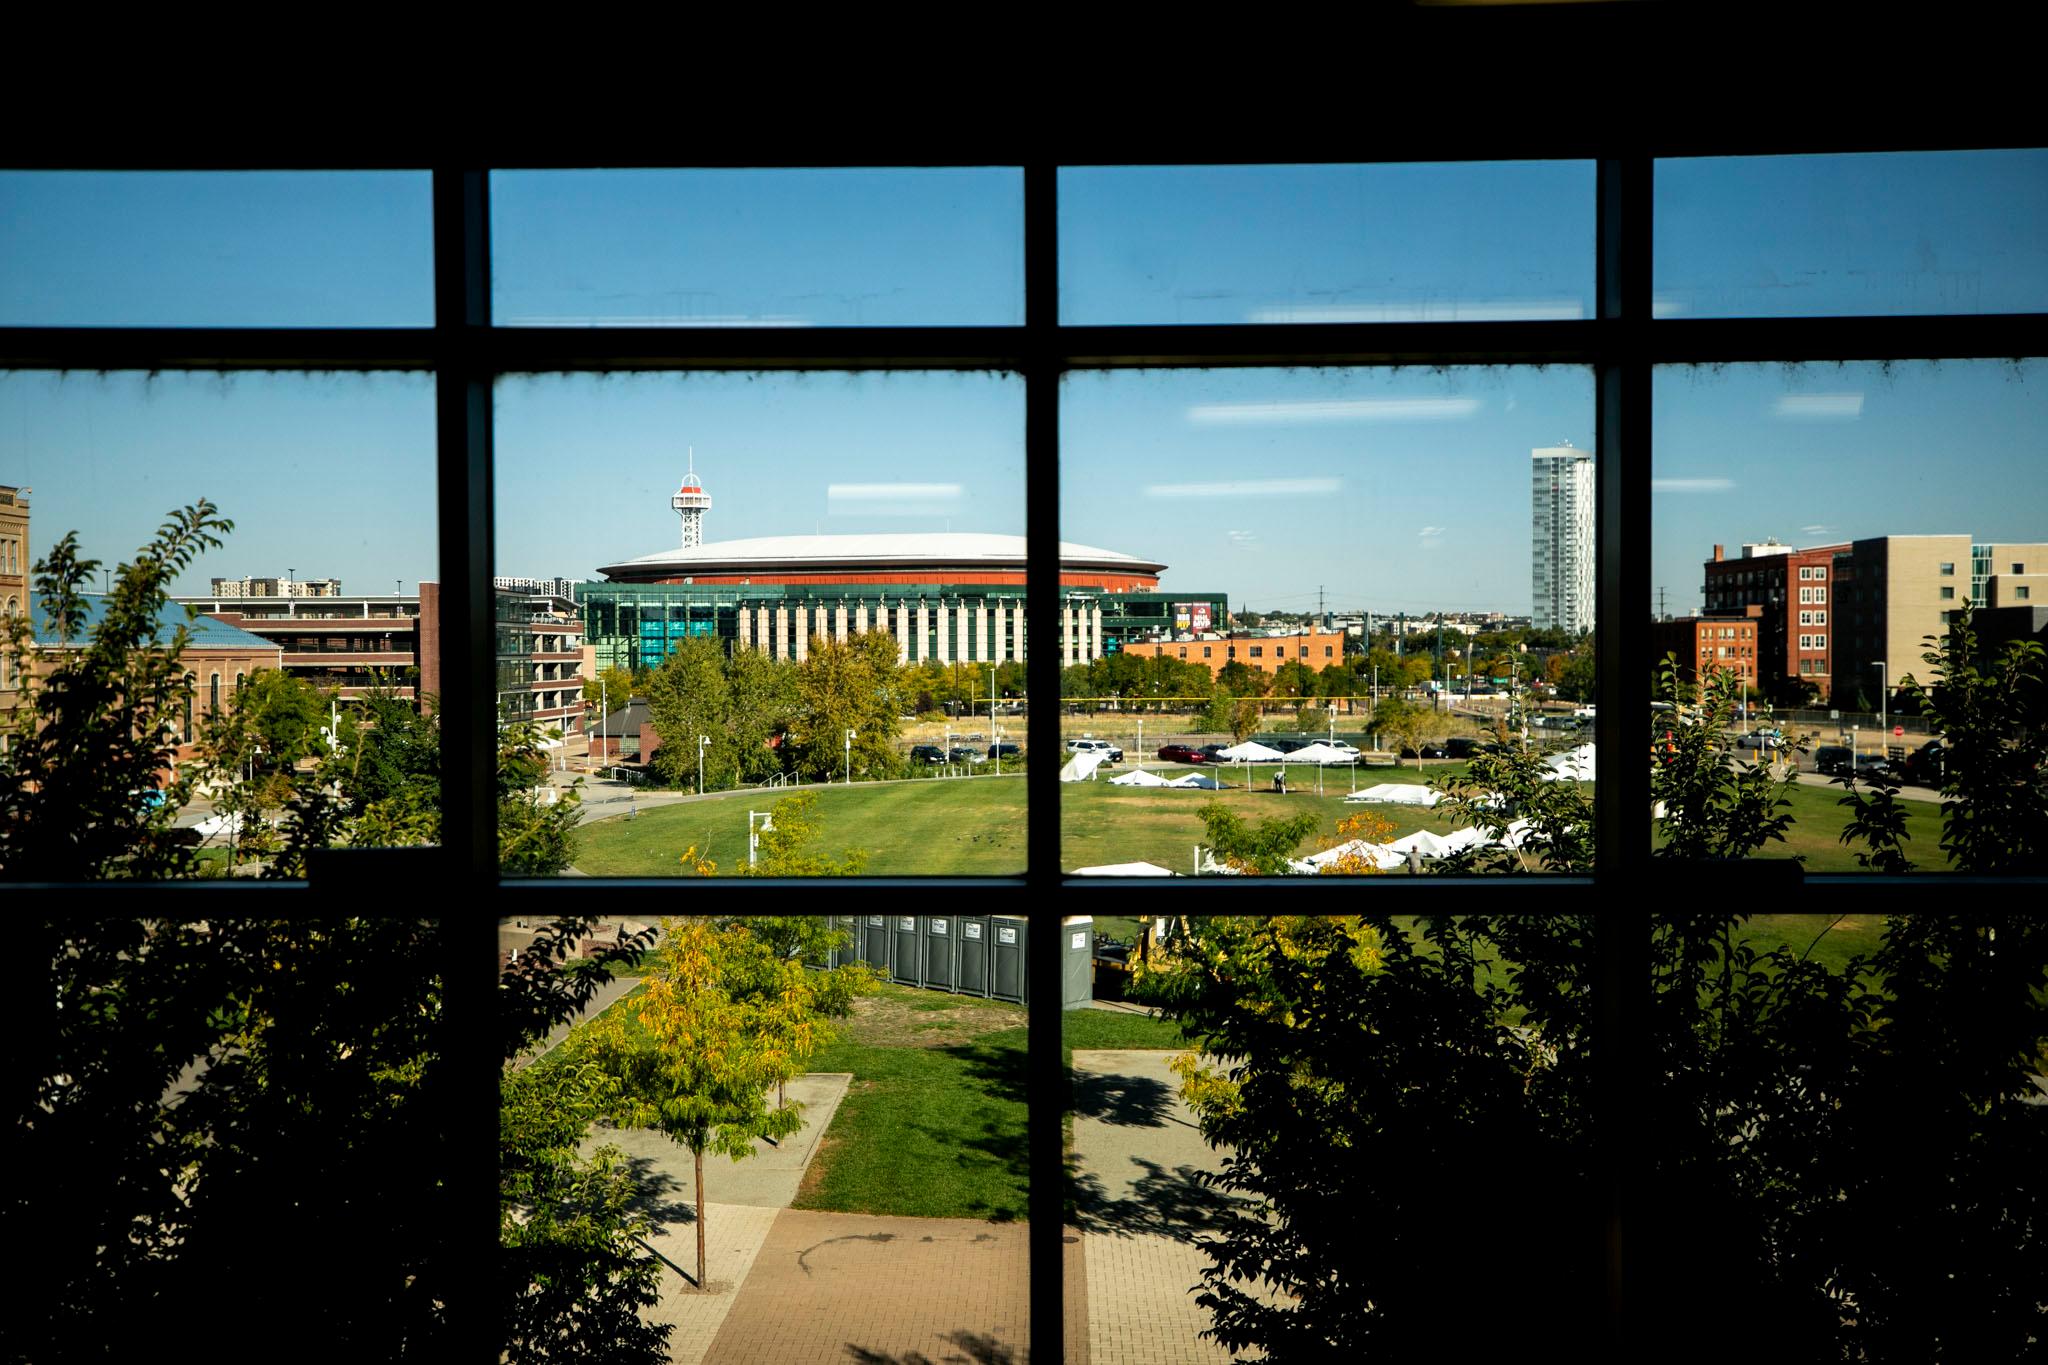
[(1098, 746), (1342, 746)]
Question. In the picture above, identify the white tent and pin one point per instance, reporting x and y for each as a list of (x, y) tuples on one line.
[(1396, 793), (1378, 854), (1320, 753), (1251, 751), (1576, 766), (1202, 780), (1125, 870), (1081, 767), (1422, 841), (1139, 777)]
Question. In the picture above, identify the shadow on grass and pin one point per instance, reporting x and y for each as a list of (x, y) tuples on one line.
[(978, 1350), (999, 1073), (1175, 1203)]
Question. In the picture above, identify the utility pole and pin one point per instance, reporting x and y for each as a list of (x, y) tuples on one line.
[(1661, 615)]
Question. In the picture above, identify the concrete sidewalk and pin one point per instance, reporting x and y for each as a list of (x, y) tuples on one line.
[(768, 1179), (1142, 1211)]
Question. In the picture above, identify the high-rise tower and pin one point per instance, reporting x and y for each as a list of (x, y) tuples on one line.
[(691, 503), (1561, 538)]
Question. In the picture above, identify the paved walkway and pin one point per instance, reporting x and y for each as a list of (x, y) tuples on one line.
[(1141, 1211)]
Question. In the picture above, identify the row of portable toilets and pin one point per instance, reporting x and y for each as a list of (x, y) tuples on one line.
[(982, 955)]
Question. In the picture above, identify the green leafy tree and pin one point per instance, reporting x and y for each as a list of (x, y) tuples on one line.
[(1709, 807), (762, 696), (613, 686), (787, 842), (700, 1065), (1243, 680), (100, 710), (689, 697), (1244, 720), (802, 994), (1218, 715), (574, 1277), (1294, 679), (848, 685), (1509, 784), (1575, 677), (536, 821), (1263, 850), (1409, 725)]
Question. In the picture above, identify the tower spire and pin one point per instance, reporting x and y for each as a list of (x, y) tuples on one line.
[(690, 503)]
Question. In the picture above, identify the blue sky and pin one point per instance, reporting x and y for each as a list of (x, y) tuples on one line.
[(1404, 490)]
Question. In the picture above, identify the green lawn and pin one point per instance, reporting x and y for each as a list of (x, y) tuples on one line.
[(975, 827)]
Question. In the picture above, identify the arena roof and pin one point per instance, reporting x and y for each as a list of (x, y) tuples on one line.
[(953, 550)]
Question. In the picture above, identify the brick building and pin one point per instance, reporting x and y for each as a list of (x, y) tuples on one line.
[(1797, 617), (1717, 641), (1316, 648)]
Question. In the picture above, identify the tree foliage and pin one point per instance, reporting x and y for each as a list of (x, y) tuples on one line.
[(573, 1279), (1263, 850), (1707, 806), (255, 1102), (848, 685), (99, 714)]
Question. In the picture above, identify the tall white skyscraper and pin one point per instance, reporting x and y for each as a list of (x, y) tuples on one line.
[(691, 502), (1561, 538)]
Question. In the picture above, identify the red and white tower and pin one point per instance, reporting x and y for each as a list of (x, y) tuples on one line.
[(691, 503)]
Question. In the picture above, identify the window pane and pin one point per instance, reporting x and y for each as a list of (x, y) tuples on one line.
[(758, 248), (674, 620), (216, 249), (887, 1142), (1288, 244), (1852, 235), (1873, 479), (313, 600), (1388, 573)]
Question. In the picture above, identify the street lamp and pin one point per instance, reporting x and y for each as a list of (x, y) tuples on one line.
[(849, 758), (703, 743), (754, 832), (1883, 723)]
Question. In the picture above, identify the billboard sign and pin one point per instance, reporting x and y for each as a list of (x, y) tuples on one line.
[(1194, 616)]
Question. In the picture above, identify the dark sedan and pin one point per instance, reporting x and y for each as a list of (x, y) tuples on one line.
[(927, 753), (1003, 751), (1181, 753), (1213, 753), (1428, 751)]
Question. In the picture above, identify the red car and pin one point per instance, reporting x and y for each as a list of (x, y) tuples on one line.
[(1181, 753)]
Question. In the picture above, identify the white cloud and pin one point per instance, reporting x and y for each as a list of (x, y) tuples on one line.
[(1241, 537), (1425, 310), (885, 492), (1431, 531), (1691, 485), (1336, 410), (1665, 306), (1815, 530), (1821, 405), (1244, 488)]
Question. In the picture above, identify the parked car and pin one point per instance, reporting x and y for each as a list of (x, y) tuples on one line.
[(1343, 746), (927, 753), (1181, 753), (1097, 746), (1285, 746), (1461, 746), (1765, 740), (1009, 751), (1832, 760), (1927, 766), (1872, 763), (963, 754), (1428, 751), (1213, 753)]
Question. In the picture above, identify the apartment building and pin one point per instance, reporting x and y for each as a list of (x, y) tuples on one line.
[(346, 645), (1726, 641), (1795, 590)]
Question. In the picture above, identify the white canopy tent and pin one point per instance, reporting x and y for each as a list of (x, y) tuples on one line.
[(1202, 780), (1125, 870), (1081, 767), (1379, 855), (1396, 793), (1321, 753), (1139, 777), (1575, 766), (1251, 751)]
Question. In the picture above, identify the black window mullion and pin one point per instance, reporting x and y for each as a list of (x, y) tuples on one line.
[(1046, 1072)]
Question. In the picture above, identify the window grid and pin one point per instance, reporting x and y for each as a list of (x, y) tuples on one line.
[(466, 355)]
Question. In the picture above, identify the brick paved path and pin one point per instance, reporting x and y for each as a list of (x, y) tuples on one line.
[(853, 1289), (1140, 1212)]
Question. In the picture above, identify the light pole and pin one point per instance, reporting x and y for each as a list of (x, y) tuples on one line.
[(603, 705), (703, 743), (849, 758), (754, 832), (1883, 711)]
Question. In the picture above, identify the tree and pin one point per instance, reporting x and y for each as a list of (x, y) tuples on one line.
[(786, 839), (1264, 851), (1508, 784), (688, 697), (848, 685), (1294, 679), (1575, 677), (613, 686), (1218, 715), (1244, 720), (99, 711), (536, 821), (803, 994), (1243, 680), (186, 1089), (762, 696), (700, 1065), (1706, 807), (1409, 725), (573, 1281)]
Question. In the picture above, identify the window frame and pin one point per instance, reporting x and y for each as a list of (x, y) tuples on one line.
[(1621, 344)]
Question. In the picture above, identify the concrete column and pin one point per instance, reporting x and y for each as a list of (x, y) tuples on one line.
[(996, 650), (981, 653), (860, 618), (746, 629), (1017, 632), (939, 624), (839, 623), (920, 640), (962, 645), (1095, 633), (902, 633), (1066, 635), (803, 634), (781, 631)]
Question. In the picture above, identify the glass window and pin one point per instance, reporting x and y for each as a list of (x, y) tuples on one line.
[(216, 249)]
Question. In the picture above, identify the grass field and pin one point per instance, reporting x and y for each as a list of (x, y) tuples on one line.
[(975, 827)]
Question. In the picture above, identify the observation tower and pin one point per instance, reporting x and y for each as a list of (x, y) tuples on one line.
[(691, 502)]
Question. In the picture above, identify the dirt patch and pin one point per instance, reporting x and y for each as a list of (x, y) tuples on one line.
[(902, 1017)]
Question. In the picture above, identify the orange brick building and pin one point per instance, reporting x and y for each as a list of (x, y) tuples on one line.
[(1316, 648), (1714, 640)]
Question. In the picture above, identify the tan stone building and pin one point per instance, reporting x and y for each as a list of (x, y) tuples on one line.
[(14, 581), (1894, 591), (1316, 648)]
